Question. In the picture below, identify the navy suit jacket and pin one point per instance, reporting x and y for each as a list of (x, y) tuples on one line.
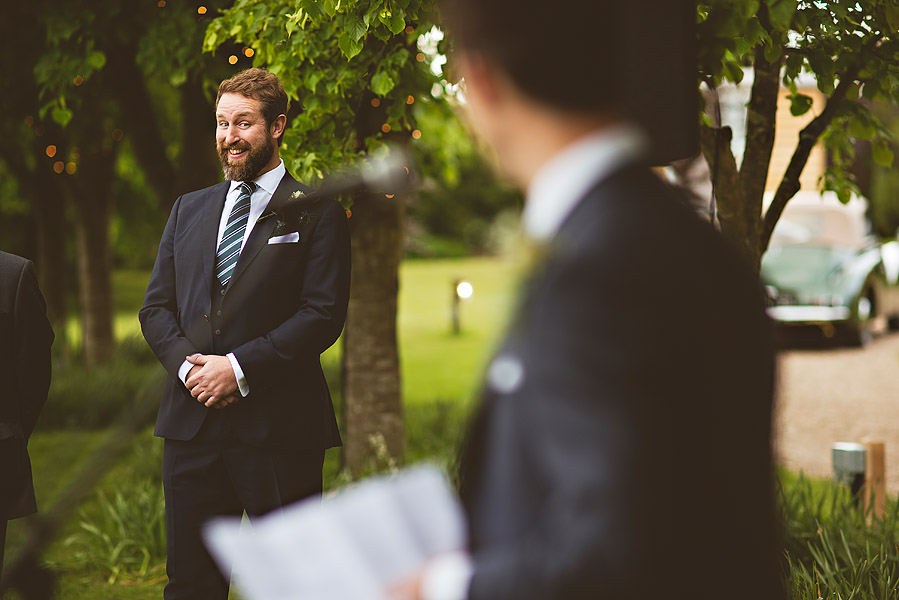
[(622, 448), (25, 340), (284, 305)]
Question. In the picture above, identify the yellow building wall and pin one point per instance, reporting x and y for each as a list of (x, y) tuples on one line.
[(786, 138)]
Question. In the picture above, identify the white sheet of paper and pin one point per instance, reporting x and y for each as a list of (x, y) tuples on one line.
[(345, 547)]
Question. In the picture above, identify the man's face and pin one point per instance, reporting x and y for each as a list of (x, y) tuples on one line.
[(244, 142)]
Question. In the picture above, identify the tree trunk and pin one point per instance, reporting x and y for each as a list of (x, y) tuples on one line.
[(91, 190), (94, 276), (372, 400), (198, 166), (49, 213)]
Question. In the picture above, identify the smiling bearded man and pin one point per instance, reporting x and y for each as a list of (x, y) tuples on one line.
[(238, 315), (242, 161)]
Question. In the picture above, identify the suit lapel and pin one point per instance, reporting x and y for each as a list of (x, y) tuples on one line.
[(215, 203), (262, 231)]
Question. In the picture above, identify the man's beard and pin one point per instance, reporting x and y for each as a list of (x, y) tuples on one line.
[(250, 167)]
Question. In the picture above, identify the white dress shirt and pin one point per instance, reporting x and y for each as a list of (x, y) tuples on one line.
[(268, 183), (565, 179), (555, 190)]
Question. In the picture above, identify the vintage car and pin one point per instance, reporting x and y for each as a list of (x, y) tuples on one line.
[(824, 270)]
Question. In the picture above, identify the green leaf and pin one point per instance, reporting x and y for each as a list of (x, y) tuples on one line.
[(892, 14), (330, 7), (61, 115), (313, 79), (861, 129), (871, 90), (313, 8), (210, 43), (96, 60), (178, 77), (781, 13), (382, 83), (355, 28), (793, 65), (799, 104), (397, 24), (393, 20), (749, 8), (826, 85), (348, 46), (773, 50), (882, 153), (733, 72)]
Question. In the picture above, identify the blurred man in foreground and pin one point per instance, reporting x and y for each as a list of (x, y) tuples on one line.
[(622, 448), (25, 340)]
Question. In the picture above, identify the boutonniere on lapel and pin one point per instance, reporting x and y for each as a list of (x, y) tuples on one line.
[(297, 212)]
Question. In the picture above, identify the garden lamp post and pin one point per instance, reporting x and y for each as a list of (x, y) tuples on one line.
[(462, 290)]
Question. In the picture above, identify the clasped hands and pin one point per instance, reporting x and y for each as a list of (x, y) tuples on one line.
[(211, 380)]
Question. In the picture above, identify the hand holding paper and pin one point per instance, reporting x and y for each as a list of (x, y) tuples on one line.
[(349, 546)]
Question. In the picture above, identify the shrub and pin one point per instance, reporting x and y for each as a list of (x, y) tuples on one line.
[(125, 538), (92, 397)]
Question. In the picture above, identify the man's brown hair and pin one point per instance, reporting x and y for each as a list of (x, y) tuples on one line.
[(570, 61), (261, 85)]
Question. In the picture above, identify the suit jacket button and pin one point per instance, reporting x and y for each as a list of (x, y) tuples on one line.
[(222, 292), (218, 313), (218, 332)]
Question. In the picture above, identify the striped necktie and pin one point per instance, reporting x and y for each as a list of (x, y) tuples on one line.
[(229, 248)]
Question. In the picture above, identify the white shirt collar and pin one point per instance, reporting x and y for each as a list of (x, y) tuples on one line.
[(268, 181), (561, 183)]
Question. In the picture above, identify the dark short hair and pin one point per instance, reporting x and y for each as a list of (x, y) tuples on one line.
[(261, 85), (566, 55)]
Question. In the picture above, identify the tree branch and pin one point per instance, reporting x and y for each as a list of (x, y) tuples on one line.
[(808, 137), (761, 122), (715, 145)]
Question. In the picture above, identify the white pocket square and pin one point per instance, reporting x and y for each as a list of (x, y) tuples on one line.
[(290, 238)]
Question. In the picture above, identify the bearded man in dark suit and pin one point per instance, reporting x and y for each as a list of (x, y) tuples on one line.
[(622, 448), (238, 310), (25, 340)]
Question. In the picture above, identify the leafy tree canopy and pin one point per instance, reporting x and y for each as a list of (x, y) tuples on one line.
[(851, 48), (354, 68)]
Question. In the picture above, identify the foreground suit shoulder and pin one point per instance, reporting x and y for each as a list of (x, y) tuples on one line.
[(626, 421)]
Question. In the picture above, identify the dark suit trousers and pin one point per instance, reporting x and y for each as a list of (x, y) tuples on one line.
[(203, 479)]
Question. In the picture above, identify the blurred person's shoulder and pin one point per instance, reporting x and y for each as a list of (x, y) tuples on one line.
[(11, 265)]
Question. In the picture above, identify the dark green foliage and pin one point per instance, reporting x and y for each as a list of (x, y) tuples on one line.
[(420, 244), (881, 184), (435, 431), (89, 398), (459, 197), (125, 537)]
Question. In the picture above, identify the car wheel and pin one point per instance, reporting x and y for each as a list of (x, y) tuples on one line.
[(859, 333), (893, 323)]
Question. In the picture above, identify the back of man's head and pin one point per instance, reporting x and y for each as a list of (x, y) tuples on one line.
[(566, 55)]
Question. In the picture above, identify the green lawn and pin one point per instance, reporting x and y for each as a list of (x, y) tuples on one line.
[(436, 363), (440, 378), (440, 375)]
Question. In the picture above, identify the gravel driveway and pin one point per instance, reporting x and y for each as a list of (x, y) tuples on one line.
[(828, 395)]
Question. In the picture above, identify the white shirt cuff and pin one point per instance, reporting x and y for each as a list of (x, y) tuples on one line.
[(242, 384), (183, 370), (447, 577)]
